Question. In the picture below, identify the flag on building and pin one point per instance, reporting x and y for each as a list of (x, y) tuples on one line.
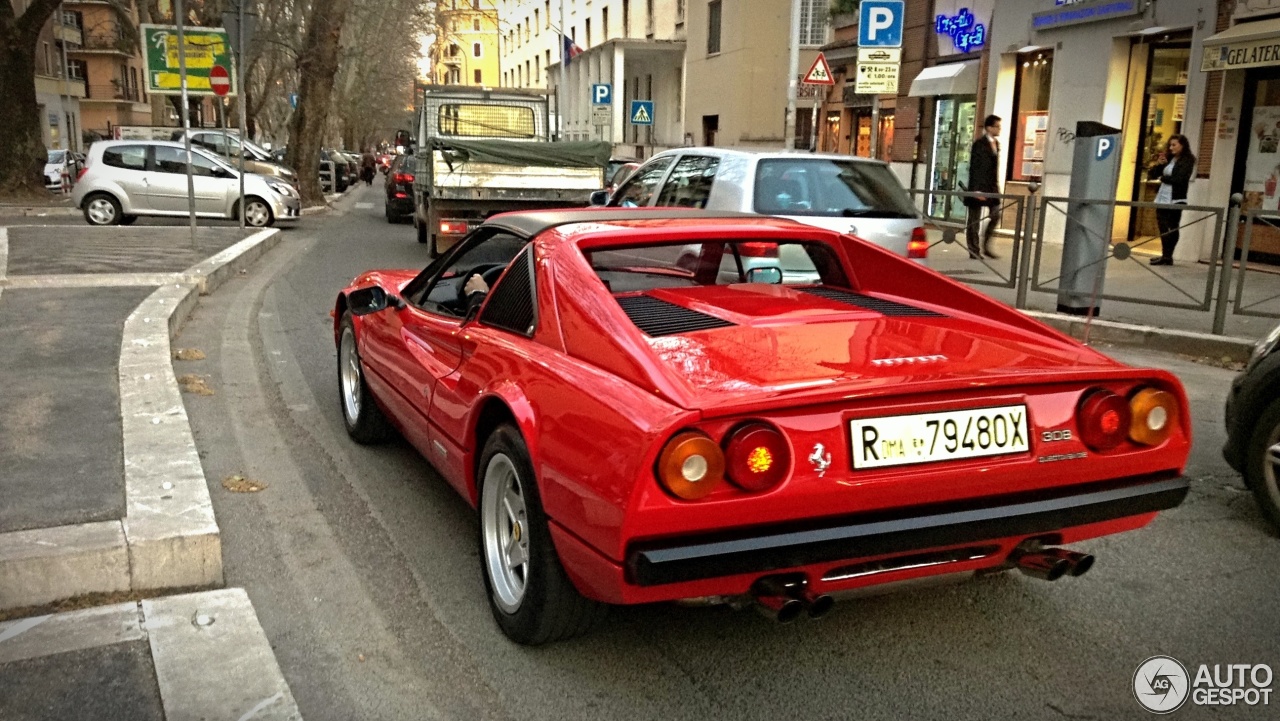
[(570, 50)]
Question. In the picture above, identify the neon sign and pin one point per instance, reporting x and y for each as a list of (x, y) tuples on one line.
[(965, 31)]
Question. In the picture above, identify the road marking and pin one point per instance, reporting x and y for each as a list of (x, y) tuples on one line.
[(364, 206)]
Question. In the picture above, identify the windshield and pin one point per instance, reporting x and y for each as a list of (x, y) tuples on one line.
[(57, 156), (830, 187)]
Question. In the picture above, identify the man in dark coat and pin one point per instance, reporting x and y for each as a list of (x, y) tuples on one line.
[(984, 161)]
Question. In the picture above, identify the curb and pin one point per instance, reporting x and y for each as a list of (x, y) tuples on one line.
[(168, 537), (35, 211), (212, 659), (1166, 340)]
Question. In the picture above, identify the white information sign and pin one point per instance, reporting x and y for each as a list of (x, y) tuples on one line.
[(877, 78)]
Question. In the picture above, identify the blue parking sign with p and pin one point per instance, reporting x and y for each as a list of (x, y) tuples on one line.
[(880, 23), (601, 94)]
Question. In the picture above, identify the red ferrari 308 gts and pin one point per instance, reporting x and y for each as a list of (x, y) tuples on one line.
[(656, 405)]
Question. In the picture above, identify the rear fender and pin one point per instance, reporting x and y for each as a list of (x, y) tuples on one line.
[(503, 401)]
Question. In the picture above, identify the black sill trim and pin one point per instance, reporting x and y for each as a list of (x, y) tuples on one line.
[(660, 563)]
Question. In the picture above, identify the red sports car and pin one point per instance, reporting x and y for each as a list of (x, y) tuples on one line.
[(638, 415)]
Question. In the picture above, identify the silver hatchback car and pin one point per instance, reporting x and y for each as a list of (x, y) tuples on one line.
[(125, 179), (857, 196)]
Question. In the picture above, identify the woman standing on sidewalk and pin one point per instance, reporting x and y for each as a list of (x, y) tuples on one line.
[(1174, 169)]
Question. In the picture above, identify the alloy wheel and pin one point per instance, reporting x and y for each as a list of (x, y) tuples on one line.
[(101, 211), (350, 372), (506, 532)]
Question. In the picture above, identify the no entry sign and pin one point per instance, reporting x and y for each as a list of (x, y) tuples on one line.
[(219, 82)]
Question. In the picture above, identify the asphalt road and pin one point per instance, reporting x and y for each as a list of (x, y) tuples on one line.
[(362, 565)]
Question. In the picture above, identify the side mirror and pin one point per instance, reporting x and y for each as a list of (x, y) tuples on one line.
[(770, 274), (598, 198), (373, 299)]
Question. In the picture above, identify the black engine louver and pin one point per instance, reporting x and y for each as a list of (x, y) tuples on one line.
[(658, 317), (866, 302)]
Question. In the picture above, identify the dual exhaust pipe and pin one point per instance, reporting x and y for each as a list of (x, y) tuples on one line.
[(1050, 564), (785, 598)]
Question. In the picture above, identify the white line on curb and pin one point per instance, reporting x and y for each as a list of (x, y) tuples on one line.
[(4, 256)]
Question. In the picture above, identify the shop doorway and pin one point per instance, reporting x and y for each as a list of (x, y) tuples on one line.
[(955, 120), (1257, 167), (1164, 105)]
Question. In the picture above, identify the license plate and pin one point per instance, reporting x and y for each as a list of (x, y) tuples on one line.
[(932, 437)]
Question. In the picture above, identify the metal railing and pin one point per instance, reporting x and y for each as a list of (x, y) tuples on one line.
[(1253, 219), (1037, 226)]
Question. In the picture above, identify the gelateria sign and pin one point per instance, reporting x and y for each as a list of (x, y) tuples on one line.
[(962, 26)]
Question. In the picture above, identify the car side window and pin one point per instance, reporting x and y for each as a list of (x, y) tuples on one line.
[(171, 160), (200, 165), (129, 157), (442, 293), (639, 190), (212, 141), (689, 184)]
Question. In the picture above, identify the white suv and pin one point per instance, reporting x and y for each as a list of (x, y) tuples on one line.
[(125, 179), (857, 196)]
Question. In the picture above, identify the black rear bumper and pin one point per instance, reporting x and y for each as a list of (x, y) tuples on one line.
[(903, 530)]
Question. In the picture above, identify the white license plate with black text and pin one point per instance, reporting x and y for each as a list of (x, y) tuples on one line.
[(932, 437)]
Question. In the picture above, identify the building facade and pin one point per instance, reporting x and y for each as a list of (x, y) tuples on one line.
[(111, 68), (466, 46), (58, 86), (737, 67), (634, 47)]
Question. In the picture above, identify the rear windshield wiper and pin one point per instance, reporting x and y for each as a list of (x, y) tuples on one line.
[(874, 213)]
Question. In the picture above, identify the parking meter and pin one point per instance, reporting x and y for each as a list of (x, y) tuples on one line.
[(1086, 241)]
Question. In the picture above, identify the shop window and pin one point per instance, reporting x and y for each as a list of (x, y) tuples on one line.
[(885, 151), (831, 135), (1031, 132), (1164, 108), (862, 147)]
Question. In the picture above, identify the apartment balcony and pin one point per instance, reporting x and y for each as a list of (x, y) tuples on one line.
[(111, 93), (53, 85), (104, 43), (68, 32)]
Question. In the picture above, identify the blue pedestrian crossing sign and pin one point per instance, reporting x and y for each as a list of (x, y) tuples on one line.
[(880, 23), (601, 94), (641, 112)]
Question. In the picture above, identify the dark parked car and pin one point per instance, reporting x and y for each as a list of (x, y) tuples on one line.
[(341, 179), (399, 185), (1253, 425)]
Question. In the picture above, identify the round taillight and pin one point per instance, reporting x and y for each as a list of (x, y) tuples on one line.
[(691, 466), (757, 457), (1154, 414), (1103, 419)]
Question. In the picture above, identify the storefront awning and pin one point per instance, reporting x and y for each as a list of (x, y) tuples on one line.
[(1246, 45), (946, 79)]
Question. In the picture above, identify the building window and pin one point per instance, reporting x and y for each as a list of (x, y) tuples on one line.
[(626, 18), (548, 13), (604, 25), (453, 50), (528, 76), (475, 49), (537, 69), (648, 17), (475, 4), (478, 78), (527, 33), (813, 22), (588, 32), (713, 27), (547, 62), (537, 22), (475, 24), (1031, 100), (679, 12), (519, 77)]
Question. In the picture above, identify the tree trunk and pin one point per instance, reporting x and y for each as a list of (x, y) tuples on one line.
[(22, 153), (317, 65)]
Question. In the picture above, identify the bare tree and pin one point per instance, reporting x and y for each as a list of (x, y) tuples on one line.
[(22, 154), (317, 65)]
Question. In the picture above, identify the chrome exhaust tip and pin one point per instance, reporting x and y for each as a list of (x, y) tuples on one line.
[(1079, 563), (1041, 565), (779, 609), (784, 598)]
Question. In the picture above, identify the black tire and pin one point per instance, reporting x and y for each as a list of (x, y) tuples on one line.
[(550, 607), (102, 209), (422, 232), (1261, 473), (128, 219), (391, 218), (365, 422)]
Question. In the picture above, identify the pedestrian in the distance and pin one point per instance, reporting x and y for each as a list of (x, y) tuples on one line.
[(984, 161), (368, 163), (1174, 169)]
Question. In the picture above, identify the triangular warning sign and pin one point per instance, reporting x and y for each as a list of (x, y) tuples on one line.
[(642, 116), (819, 73)]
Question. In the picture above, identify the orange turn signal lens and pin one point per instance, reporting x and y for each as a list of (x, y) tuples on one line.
[(1154, 413), (691, 466)]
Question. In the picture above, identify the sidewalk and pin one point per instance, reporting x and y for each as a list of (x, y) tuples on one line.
[(196, 656), (56, 205), (102, 485), (1184, 283)]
